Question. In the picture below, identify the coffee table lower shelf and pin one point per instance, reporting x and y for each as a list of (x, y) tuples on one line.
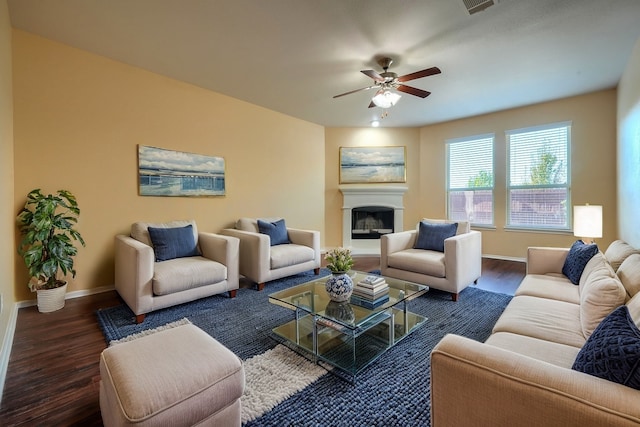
[(347, 349)]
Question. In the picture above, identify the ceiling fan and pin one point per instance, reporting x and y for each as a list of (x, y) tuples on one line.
[(387, 80)]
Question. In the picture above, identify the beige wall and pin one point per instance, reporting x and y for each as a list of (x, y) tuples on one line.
[(79, 118), (592, 163), (7, 216), (629, 150), (593, 136), (358, 137)]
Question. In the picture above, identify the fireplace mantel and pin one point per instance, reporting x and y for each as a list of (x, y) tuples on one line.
[(355, 196)]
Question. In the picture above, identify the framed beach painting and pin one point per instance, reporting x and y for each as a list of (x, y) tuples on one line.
[(370, 165), (175, 173)]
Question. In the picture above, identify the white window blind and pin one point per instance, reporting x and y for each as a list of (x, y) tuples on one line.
[(470, 179), (538, 177)]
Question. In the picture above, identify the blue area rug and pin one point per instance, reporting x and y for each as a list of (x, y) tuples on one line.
[(393, 391)]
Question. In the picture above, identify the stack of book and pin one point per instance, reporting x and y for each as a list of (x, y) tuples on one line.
[(370, 292)]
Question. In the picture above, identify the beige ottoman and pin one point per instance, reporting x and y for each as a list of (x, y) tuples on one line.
[(176, 377)]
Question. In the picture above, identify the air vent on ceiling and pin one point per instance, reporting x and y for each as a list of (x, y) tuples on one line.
[(474, 6)]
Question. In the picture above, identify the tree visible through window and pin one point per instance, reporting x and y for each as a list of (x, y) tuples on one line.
[(538, 185), (470, 179)]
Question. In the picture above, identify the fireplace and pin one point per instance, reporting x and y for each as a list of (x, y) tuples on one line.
[(371, 222), (368, 212)]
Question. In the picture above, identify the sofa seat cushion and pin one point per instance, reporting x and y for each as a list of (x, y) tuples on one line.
[(542, 318), (556, 287), (420, 261), (290, 254), (186, 273), (551, 352)]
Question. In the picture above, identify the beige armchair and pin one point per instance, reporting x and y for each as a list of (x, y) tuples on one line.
[(147, 285), (452, 270), (260, 262)]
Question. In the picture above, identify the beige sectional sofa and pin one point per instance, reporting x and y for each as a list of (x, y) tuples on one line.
[(522, 375)]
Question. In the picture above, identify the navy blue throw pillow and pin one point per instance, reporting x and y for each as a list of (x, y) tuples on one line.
[(431, 236), (612, 351), (277, 231), (577, 258), (170, 243)]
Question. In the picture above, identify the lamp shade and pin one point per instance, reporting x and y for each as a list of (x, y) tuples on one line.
[(385, 98), (587, 221)]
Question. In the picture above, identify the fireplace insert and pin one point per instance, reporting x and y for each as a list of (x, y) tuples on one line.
[(370, 222)]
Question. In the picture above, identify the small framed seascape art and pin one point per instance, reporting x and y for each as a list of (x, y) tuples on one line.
[(164, 172), (368, 165)]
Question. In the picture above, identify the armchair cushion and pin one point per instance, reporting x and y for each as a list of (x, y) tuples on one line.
[(577, 259), (431, 236), (612, 352), (276, 230), (181, 274), (170, 243)]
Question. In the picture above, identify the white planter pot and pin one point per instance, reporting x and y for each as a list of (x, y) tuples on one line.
[(51, 299)]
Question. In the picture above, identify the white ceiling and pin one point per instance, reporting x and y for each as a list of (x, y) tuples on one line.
[(292, 56)]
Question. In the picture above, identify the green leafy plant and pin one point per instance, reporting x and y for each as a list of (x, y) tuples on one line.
[(339, 260), (47, 225)]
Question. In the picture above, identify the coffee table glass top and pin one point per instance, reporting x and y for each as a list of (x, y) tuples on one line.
[(312, 298)]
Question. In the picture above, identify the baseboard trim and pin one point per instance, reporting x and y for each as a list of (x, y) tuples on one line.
[(7, 345), (504, 258), (70, 295)]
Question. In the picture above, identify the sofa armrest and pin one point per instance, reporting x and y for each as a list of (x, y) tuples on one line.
[(463, 257), (478, 384), (395, 242), (222, 249), (254, 253), (134, 265), (544, 260)]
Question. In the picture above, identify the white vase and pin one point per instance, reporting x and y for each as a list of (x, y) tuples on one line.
[(339, 287), (51, 299)]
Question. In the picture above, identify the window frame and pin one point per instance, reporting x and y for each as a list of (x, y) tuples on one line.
[(448, 189), (567, 185)]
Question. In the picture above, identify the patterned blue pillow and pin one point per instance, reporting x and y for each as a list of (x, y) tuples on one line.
[(612, 351), (170, 243), (431, 236), (277, 231), (578, 257)]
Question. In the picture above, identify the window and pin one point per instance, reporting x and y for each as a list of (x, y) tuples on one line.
[(470, 179), (538, 177)]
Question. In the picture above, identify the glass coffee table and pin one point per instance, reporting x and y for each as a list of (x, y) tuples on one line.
[(349, 335)]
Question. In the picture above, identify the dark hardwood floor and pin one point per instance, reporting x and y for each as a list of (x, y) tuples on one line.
[(53, 376)]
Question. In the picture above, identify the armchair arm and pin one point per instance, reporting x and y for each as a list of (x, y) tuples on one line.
[(544, 260), (310, 238), (463, 258), (254, 253), (478, 384), (222, 249), (134, 264)]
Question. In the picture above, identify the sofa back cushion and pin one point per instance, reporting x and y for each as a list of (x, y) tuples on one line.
[(463, 226), (629, 274), (599, 296), (251, 224), (617, 252), (140, 230)]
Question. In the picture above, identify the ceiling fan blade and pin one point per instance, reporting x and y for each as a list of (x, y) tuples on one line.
[(354, 91), (374, 75), (371, 105), (419, 74), (413, 91)]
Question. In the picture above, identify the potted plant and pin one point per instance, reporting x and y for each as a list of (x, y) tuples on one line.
[(47, 226), (339, 286)]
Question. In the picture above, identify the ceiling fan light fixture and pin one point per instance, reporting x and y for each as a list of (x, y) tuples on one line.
[(386, 98)]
